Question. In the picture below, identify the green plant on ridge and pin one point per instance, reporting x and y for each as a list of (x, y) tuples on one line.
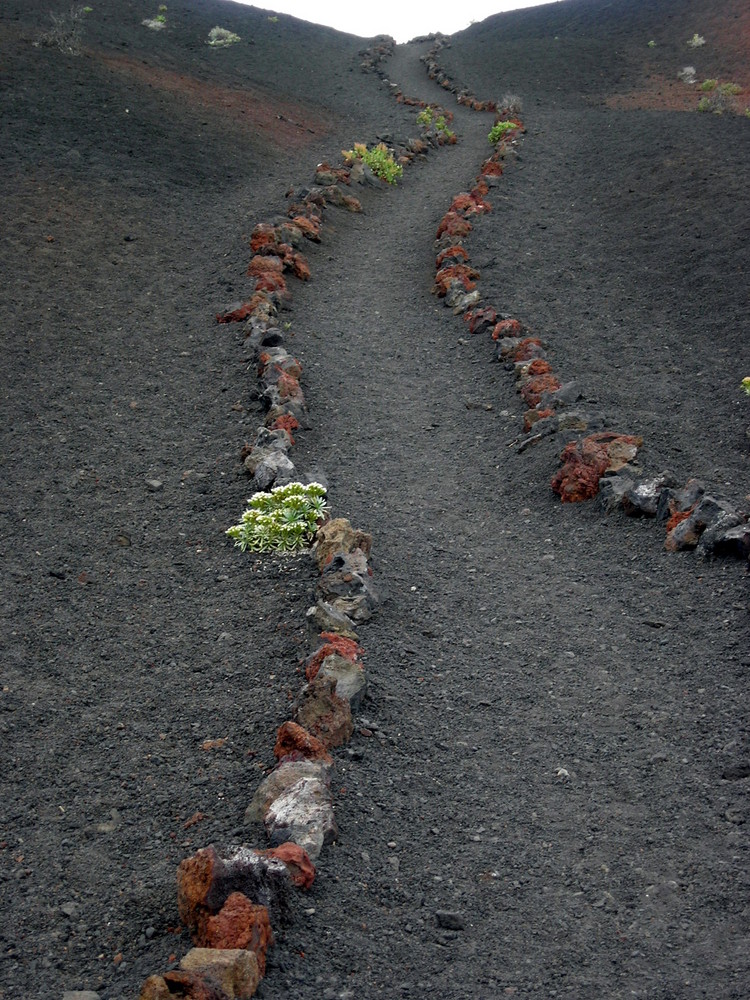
[(428, 117), (221, 37), (696, 41), (284, 520), (746, 384), (379, 159), (499, 129), (708, 85)]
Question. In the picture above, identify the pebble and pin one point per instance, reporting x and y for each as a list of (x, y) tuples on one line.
[(450, 920), (154, 484)]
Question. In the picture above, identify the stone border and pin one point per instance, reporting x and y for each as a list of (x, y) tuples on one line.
[(601, 463), (230, 899)]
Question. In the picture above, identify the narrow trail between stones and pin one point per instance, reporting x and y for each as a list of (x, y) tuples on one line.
[(516, 782)]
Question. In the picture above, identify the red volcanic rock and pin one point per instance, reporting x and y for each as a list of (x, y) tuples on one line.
[(491, 168), (240, 924), (453, 225), (263, 263), (334, 644), (270, 281), (462, 203), (300, 867), (310, 227), (263, 235), (288, 387), (323, 714), (508, 328), (455, 272), (678, 517), (285, 422), (538, 367), (454, 255), (480, 319), (531, 391), (235, 970), (528, 349), (298, 265), (293, 739), (480, 190), (586, 461)]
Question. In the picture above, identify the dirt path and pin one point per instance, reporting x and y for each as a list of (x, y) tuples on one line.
[(550, 747)]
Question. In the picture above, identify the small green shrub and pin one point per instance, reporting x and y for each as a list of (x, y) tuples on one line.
[(379, 159), (499, 129), (708, 85), (746, 385), (284, 520), (424, 118), (730, 89), (719, 98), (696, 41), (652, 44)]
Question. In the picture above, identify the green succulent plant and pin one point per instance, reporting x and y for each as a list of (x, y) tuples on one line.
[(746, 384), (379, 159), (284, 520), (499, 129)]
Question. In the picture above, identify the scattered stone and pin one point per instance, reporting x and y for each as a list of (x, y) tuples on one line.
[(155, 485), (349, 676), (450, 920), (337, 535), (154, 988), (335, 196), (206, 880), (279, 780), (240, 924), (323, 713), (293, 741), (304, 815)]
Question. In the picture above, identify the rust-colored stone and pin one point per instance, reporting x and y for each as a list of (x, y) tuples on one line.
[(508, 328), (538, 367), (528, 349), (293, 740), (270, 281), (310, 227), (586, 461), (490, 168), (678, 516), (455, 254), (240, 924), (263, 263), (263, 235), (285, 422), (454, 225), (155, 988), (532, 391), (480, 319), (455, 272), (334, 644), (300, 867)]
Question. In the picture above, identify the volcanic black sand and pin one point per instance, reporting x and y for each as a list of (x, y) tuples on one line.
[(558, 746)]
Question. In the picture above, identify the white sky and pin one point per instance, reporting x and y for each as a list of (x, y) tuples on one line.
[(402, 20)]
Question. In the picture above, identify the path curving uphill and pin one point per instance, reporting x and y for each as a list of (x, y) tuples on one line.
[(545, 790)]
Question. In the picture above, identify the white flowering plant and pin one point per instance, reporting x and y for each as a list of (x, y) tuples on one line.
[(284, 520)]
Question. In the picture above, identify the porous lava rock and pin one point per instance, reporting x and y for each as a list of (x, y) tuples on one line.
[(337, 535), (323, 713), (236, 970), (240, 924), (349, 678), (586, 461), (293, 740), (300, 867), (207, 879), (346, 583)]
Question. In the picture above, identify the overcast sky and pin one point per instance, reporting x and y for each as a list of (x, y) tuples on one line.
[(399, 18)]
